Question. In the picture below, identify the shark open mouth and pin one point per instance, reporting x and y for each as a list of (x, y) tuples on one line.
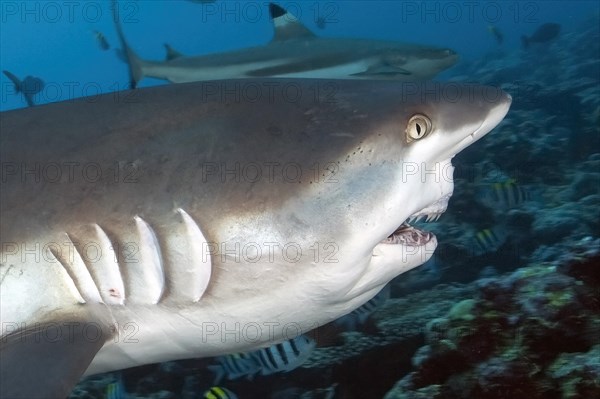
[(412, 236), (408, 235)]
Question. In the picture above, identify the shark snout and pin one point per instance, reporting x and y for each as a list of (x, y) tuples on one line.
[(493, 105), (496, 114), (450, 55)]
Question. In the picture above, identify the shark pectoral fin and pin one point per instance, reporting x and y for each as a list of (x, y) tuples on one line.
[(47, 360), (383, 70), (287, 26)]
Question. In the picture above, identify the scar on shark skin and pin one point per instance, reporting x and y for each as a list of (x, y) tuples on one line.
[(6, 273)]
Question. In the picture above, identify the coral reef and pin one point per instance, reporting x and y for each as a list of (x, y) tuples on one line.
[(532, 333)]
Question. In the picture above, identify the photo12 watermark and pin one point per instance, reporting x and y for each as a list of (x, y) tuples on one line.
[(491, 12), (66, 172), (67, 11)]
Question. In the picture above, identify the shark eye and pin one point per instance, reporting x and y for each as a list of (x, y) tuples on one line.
[(418, 127)]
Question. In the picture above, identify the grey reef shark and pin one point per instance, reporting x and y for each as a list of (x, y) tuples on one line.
[(296, 52), (148, 225)]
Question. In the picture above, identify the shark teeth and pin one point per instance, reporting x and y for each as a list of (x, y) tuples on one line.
[(408, 235), (430, 217)]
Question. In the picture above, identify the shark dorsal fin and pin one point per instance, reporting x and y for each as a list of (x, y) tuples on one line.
[(172, 53), (287, 26)]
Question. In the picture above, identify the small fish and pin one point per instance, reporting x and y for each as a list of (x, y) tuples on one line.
[(358, 317), (235, 366), (29, 87), (490, 240), (496, 33), (101, 39), (116, 390), (219, 393), (285, 356), (321, 22), (503, 195), (543, 34)]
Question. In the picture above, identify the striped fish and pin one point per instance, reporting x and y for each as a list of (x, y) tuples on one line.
[(235, 366), (504, 195), (116, 389), (219, 393), (489, 240), (285, 356)]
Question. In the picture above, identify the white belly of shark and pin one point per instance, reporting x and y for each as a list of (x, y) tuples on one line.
[(183, 74), (348, 69), (192, 260)]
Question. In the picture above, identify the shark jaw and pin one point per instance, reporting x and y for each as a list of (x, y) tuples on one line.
[(406, 234)]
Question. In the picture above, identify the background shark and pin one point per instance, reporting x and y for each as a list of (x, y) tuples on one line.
[(295, 52), (150, 226)]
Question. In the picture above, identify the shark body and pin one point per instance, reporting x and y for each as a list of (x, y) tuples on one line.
[(198, 219), (295, 52)]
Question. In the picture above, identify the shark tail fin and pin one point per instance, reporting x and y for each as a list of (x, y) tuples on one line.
[(29, 99), (16, 81), (19, 88), (135, 63), (287, 26)]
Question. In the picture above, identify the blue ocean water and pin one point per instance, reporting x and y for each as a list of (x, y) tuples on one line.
[(507, 308), (55, 41)]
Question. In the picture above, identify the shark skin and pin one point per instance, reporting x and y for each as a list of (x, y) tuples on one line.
[(201, 219), (295, 52)]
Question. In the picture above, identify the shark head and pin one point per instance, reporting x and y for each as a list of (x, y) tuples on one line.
[(400, 170), (434, 130), (244, 211)]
